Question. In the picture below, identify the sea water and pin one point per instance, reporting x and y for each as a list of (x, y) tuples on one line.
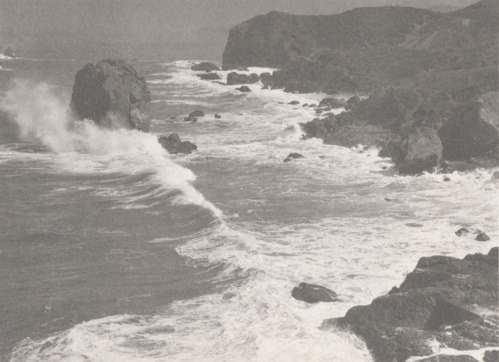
[(114, 250)]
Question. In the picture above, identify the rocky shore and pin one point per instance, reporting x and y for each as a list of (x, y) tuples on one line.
[(445, 304), (431, 79)]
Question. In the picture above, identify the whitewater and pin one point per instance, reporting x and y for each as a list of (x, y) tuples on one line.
[(200, 252)]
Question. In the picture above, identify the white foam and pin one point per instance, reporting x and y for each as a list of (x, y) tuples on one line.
[(82, 147)]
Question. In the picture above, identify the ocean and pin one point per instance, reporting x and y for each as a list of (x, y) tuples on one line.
[(111, 249)]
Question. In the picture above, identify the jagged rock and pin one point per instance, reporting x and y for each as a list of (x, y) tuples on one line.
[(9, 52), (243, 89), (293, 156), (112, 94), (209, 76), (473, 129), (421, 151), (437, 301), (311, 293), (482, 237), (173, 144), (196, 114), (236, 78), (205, 66)]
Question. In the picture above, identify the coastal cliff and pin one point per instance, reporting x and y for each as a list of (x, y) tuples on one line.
[(432, 78)]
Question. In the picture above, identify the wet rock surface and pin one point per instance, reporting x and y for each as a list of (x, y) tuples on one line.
[(312, 293), (448, 300), (173, 144)]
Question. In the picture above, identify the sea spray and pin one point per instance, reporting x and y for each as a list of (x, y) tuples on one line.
[(43, 118)]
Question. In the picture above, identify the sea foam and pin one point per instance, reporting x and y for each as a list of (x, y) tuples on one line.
[(83, 147)]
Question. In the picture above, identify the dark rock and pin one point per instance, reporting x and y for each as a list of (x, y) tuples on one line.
[(435, 302), (293, 156), (9, 52), (190, 119), (305, 105), (236, 78), (482, 237), (243, 89), (311, 293), (491, 356), (294, 102), (422, 151), (473, 129), (209, 76), (332, 103), (205, 66), (354, 100), (217, 116), (196, 114), (112, 94), (496, 175), (462, 231), (446, 179), (174, 145)]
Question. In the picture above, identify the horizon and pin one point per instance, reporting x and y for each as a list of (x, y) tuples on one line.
[(150, 29)]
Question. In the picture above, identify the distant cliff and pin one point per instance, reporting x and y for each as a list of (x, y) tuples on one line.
[(365, 48)]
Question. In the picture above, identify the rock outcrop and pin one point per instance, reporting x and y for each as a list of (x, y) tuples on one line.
[(446, 300), (173, 144), (237, 78), (112, 94)]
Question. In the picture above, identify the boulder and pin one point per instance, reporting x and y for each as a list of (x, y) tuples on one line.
[(112, 94), (209, 76), (311, 293), (173, 144), (293, 103), (205, 66), (196, 114), (190, 119), (473, 129), (353, 100), (244, 89), (421, 151), (436, 303), (482, 237), (462, 231), (217, 116), (9, 52), (236, 78)]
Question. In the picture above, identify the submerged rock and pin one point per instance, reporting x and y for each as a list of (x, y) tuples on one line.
[(437, 302), (205, 66), (462, 231), (236, 78), (311, 293), (173, 144), (9, 52), (209, 76), (196, 114), (244, 89), (112, 94), (293, 156)]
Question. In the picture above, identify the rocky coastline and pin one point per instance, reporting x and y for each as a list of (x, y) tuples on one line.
[(431, 79)]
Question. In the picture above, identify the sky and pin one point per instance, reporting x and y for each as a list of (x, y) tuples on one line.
[(157, 29)]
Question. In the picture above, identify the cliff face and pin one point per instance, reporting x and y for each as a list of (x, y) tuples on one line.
[(365, 48)]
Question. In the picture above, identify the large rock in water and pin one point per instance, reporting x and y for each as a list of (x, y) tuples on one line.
[(173, 144), (473, 130), (421, 151), (9, 52), (112, 94), (445, 300)]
